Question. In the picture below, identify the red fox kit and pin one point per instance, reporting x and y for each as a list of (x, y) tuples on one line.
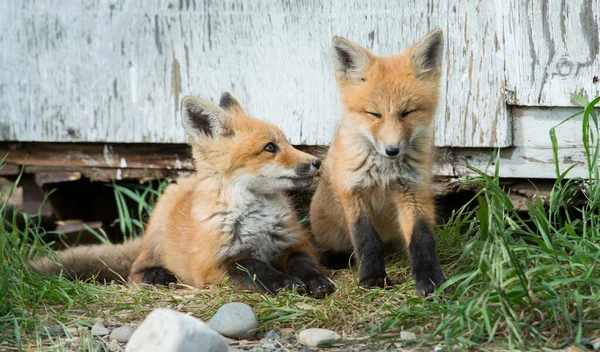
[(232, 213), (375, 186)]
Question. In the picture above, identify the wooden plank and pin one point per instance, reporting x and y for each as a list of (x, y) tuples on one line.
[(69, 155), (115, 72), (552, 51), (475, 111)]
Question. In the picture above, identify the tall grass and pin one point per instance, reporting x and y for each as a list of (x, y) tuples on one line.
[(516, 280), (528, 279), (144, 197)]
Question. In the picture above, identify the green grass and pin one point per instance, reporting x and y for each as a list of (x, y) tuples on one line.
[(523, 281)]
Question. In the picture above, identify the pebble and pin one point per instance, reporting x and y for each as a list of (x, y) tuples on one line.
[(235, 320), (169, 330), (596, 344), (122, 334), (268, 346), (114, 346), (317, 337), (99, 330), (49, 331), (407, 335), (272, 335)]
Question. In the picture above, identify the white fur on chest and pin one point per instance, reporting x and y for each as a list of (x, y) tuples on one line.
[(257, 229), (378, 170)]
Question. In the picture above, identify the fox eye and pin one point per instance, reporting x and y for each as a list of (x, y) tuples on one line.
[(270, 148), (408, 112), (374, 114)]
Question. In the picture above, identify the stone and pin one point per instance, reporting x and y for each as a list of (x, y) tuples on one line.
[(168, 330), (268, 346), (272, 335), (235, 320), (114, 346), (407, 335), (122, 334), (318, 337), (49, 331), (99, 330)]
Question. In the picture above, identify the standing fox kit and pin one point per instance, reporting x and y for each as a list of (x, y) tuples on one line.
[(231, 218), (375, 186)]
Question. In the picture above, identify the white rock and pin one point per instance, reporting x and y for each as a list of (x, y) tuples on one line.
[(114, 346), (168, 330), (407, 335), (235, 320), (317, 337), (99, 330), (122, 334), (596, 344)]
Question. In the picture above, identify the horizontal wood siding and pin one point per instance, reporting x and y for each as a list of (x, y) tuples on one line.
[(87, 71), (552, 51)]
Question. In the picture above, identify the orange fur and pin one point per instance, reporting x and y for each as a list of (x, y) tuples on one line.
[(194, 223), (388, 101)]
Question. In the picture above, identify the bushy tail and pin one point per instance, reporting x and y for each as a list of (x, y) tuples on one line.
[(105, 262)]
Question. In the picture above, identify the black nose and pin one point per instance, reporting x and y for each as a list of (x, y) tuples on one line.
[(316, 163), (392, 151)]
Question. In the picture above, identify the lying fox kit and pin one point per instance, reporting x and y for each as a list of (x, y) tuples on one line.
[(376, 179), (231, 218)]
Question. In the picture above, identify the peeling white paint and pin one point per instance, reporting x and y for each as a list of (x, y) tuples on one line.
[(119, 175), (123, 163), (108, 155), (116, 72)]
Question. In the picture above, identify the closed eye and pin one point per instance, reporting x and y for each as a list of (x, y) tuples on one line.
[(408, 112), (374, 114)]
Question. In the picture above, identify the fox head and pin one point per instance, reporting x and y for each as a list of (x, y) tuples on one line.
[(244, 151), (390, 100)]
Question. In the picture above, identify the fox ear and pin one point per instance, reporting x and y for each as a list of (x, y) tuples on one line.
[(428, 53), (201, 118), (349, 59), (229, 103)]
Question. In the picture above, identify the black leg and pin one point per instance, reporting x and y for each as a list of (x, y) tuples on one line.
[(423, 259), (336, 260), (256, 275), (300, 265), (369, 248), (158, 276)]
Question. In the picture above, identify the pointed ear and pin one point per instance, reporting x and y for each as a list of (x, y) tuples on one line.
[(349, 59), (229, 103), (201, 118), (428, 53)]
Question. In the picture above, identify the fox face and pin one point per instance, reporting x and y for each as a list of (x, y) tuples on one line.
[(390, 101), (247, 153)]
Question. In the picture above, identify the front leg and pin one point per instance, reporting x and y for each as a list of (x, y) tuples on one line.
[(256, 275), (368, 246), (301, 265), (416, 217)]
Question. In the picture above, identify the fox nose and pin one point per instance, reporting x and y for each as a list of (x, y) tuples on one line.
[(316, 163), (392, 151)]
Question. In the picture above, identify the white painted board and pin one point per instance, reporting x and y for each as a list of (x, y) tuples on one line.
[(97, 71)]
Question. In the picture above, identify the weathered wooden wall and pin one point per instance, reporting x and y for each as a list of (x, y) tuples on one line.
[(89, 71)]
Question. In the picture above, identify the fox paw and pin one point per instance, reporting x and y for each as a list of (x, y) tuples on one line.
[(320, 286), (285, 283), (428, 280), (376, 281), (158, 276)]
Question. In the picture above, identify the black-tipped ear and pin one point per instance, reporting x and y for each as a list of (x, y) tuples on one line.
[(201, 118), (350, 59), (428, 53), (229, 102)]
